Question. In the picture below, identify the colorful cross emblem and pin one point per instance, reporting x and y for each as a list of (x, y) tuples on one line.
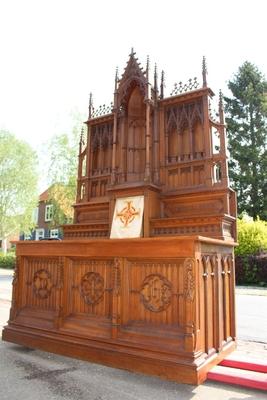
[(127, 214)]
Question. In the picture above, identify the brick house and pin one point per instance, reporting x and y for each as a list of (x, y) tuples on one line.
[(43, 216)]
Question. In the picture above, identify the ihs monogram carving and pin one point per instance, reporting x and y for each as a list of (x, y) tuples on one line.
[(92, 287), (156, 293), (42, 284), (189, 283)]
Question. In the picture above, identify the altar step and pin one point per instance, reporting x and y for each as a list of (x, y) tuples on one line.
[(236, 371)]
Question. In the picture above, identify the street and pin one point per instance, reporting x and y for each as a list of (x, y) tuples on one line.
[(251, 318)]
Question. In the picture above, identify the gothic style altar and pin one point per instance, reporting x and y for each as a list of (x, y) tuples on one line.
[(144, 278)]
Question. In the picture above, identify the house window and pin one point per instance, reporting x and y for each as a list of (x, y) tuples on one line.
[(39, 234), (54, 233), (48, 212)]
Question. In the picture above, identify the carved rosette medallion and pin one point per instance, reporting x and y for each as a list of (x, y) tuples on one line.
[(92, 287), (156, 293), (42, 284)]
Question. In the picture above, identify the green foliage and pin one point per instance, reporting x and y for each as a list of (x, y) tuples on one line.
[(63, 150), (247, 136), (7, 262), (251, 270), (252, 237), (18, 185)]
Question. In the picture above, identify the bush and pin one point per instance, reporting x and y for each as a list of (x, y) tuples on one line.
[(7, 262), (252, 237), (251, 253), (251, 270)]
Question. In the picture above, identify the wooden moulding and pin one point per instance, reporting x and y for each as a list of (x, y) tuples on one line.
[(160, 306)]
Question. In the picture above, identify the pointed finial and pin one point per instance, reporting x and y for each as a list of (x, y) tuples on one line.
[(162, 84), (116, 79), (147, 67), (221, 108), (90, 105), (156, 79), (132, 52), (81, 139), (204, 71)]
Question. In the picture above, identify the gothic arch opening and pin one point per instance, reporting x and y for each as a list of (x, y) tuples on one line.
[(136, 121)]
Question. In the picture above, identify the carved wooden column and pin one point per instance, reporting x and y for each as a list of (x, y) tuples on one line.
[(115, 123), (89, 154), (222, 132), (148, 134), (101, 153), (116, 296), (155, 153), (123, 160), (189, 272), (206, 126), (191, 150)]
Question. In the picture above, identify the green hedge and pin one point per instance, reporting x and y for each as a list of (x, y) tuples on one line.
[(251, 270), (7, 262), (251, 253), (252, 237)]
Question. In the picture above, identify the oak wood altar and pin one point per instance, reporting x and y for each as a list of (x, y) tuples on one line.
[(161, 304)]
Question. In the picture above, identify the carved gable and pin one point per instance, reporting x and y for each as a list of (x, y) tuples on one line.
[(132, 76)]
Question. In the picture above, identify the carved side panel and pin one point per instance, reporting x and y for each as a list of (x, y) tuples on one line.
[(91, 288), (14, 303), (43, 278)]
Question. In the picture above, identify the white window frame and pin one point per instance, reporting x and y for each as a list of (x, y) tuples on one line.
[(54, 233), (48, 212), (39, 233)]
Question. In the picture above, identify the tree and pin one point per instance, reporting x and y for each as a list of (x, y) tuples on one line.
[(62, 173), (246, 120), (18, 186)]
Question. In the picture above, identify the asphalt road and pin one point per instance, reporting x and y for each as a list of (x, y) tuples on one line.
[(251, 318)]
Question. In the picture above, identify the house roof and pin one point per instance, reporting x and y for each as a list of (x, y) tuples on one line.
[(44, 196)]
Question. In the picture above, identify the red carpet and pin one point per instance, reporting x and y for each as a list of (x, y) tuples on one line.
[(236, 371)]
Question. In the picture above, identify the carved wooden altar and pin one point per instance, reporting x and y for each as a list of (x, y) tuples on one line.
[(160, 304)]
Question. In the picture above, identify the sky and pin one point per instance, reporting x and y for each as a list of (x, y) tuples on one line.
[(54, 53)]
